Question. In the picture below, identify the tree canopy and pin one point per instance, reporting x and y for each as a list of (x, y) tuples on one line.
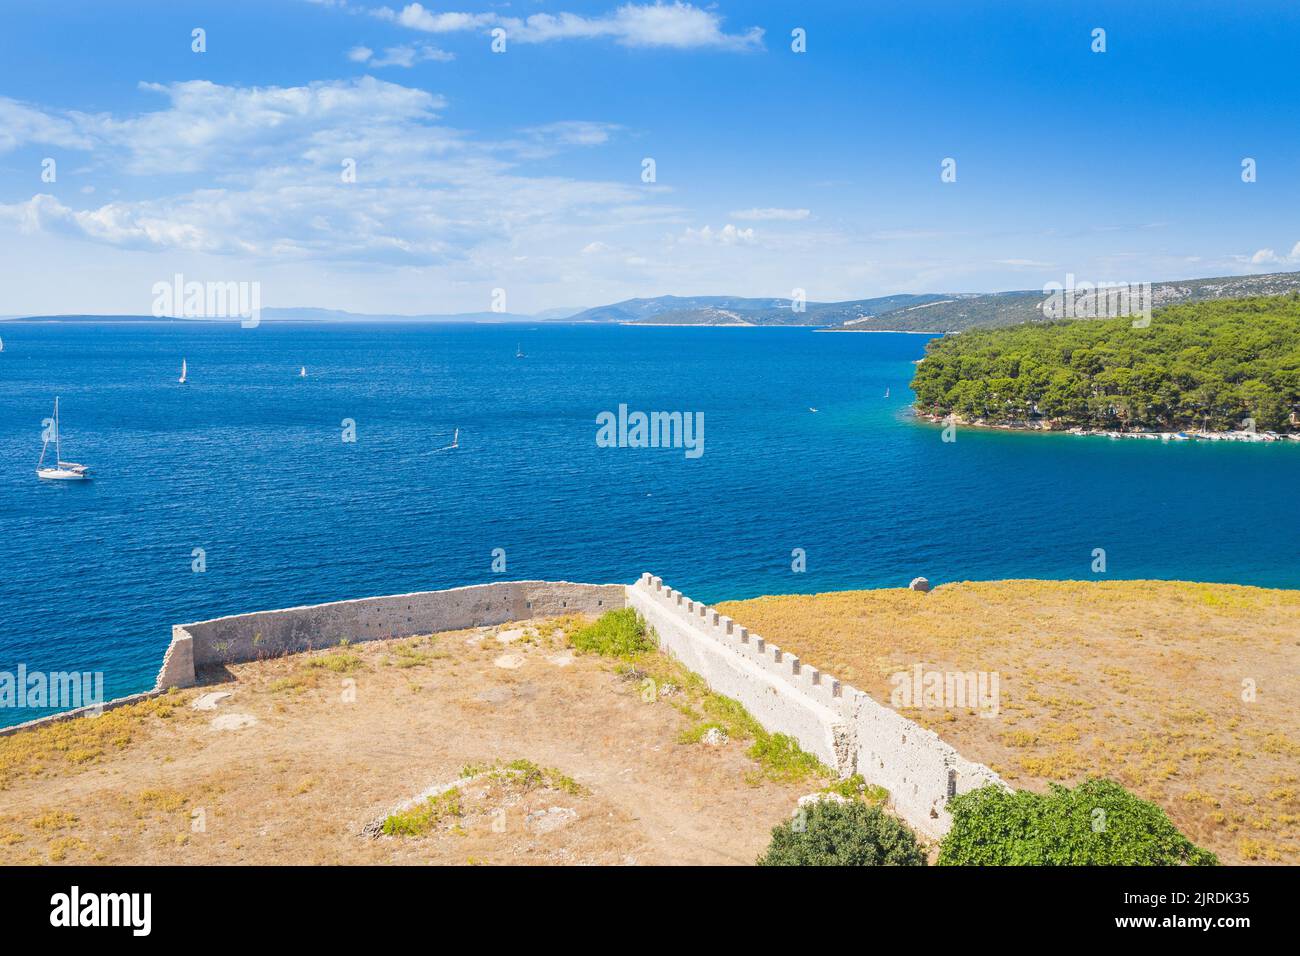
[(1206, 364)]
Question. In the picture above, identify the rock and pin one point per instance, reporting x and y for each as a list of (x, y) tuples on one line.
[(233, 721), (562, 660), (811, 798), (209, 700), (554, 818), (715, 737), (920, 584), (509, 661), (510, 636)]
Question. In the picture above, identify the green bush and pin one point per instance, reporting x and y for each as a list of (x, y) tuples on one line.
[(620, 633), (1098, 823), (842, 834)]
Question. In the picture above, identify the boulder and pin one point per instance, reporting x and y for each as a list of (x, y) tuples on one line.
[(920, 584)]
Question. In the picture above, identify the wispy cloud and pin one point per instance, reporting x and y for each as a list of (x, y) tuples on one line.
[(760, 215), (404, 56), (676, 25)]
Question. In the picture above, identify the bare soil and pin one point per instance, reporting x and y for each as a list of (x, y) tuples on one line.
[(308, 750)]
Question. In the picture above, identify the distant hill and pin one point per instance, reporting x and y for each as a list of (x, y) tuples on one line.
[(957, 312), (730, 310)]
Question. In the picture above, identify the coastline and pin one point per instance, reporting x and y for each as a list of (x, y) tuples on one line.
[(1243, 436)]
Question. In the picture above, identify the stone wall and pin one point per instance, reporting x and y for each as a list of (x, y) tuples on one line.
[(845, 728), (261, 634)]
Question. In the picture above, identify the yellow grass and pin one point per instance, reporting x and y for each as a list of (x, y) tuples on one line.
[(1142, 681)]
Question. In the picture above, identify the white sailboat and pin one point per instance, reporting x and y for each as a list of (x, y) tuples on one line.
[(62, 470), (455, 439), (302, 372), (519, 350), (886, 391), (183, 372)]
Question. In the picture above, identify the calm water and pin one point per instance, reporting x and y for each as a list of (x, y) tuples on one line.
[(247, 463)]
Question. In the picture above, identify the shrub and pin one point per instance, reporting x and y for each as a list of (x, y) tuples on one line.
[(842, 834), (620, 633), (1098, 823)]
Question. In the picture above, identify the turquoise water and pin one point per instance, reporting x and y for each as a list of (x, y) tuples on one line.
[(247, 462)]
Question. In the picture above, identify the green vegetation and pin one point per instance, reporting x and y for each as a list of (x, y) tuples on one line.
[(857, 788), (829, 833), (421, 819), (340, 661), (525, 775), (620, 633), (1098, 823), (1209, 364)]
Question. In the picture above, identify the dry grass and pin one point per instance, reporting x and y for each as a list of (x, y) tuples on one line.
[(1141, 681), (577, 763)]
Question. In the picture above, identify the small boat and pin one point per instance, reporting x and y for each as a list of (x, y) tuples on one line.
[(519, 350), (184, 373), (2, 345), (811, 409), (455, 439), (62, 470), (886, 391), (302, 372)]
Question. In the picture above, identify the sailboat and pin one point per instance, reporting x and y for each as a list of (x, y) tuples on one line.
[(62, 470), (886, 391), (302, 372), (519, 350), (183, 372), (455, 439)]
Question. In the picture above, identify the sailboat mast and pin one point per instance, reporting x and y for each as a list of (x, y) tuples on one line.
[(58, 455)]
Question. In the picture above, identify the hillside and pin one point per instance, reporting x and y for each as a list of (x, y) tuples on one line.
[(726, 310), (1141, 681), (1208, 365), (957, 313)]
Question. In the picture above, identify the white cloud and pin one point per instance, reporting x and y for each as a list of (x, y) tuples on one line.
[(788, 215), (404, 55), (1269, 257), (270, 160), (1024, 263), (675, 25), (728, 235)]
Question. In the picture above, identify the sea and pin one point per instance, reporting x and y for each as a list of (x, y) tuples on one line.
[(239, 490)]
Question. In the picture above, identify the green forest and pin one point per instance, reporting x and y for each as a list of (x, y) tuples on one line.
[(1201, 365)]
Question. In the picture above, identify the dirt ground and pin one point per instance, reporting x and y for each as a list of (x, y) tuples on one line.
[(308, 751), (1188, 694)]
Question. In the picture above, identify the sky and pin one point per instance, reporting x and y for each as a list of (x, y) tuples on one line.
[(524, 168)]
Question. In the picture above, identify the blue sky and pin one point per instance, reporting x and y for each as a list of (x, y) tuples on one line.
[(522, 170)]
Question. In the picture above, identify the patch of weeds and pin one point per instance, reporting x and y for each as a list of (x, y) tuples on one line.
[(408, 655), (419, 820), (524, 774), (162, 799), (54, 820), (781, 758), (294, 682), (340, 661), (620, 633), (78, 741), (60, 846), (857, 788)]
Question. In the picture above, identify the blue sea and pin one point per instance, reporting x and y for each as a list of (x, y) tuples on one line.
[(247, 462)]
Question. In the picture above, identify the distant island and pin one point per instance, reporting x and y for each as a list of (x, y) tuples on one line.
[(934, 313), (1214, 368)]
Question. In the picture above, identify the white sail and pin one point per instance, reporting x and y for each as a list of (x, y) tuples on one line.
[(302, 372), (183, 372), (62, 470)]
